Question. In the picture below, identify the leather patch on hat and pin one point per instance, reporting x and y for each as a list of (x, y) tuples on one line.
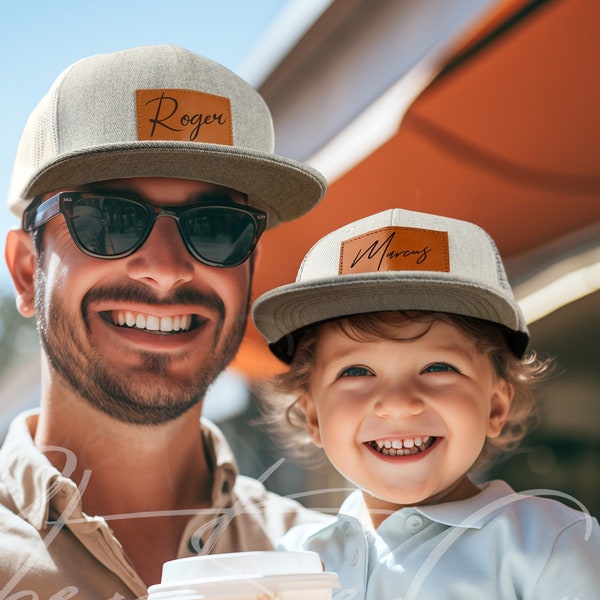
[(395, 249), (183, 116)]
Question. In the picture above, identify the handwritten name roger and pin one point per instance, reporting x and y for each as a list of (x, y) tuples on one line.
[(168, 116)]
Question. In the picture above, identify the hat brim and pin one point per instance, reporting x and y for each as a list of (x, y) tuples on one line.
[(286, 189), (281, 313)]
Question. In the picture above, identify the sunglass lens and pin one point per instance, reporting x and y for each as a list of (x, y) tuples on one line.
[(220, 235), (108, 226)]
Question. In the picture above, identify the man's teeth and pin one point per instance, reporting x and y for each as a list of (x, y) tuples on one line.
[(402, 447), (127, 318)]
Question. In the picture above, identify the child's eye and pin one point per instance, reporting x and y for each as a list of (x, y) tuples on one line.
[(354, 371), (439, 367)]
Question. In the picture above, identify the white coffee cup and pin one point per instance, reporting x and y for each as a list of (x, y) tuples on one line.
[(267, 575)]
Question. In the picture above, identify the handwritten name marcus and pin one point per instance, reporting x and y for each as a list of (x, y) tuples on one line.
[(168, 116), (380, 250)]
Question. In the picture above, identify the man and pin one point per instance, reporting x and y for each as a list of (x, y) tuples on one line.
[(144, 179)]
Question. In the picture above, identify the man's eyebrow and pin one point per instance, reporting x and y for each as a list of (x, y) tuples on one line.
[(193, 197), (90, 188), (211, 194)]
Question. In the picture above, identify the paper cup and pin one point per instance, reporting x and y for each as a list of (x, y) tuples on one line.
[(246, 576)]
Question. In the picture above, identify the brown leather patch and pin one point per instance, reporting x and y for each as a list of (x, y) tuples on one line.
[(183, 115), (395, 249)]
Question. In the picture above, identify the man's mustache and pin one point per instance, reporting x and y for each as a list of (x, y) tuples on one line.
[(141, 294)]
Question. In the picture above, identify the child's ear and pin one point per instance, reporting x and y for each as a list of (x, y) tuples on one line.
[(20, 259), (501, 401), (308, 407)]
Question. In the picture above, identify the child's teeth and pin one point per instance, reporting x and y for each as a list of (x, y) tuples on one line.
[(402, 447)]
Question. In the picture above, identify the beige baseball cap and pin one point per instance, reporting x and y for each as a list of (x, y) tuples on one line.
[(394, 260), (158, 111)]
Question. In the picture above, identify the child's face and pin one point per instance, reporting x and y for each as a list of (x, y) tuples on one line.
[(436, 397)]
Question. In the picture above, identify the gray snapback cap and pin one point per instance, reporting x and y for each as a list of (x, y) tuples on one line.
[(394, 260), (158, 111)]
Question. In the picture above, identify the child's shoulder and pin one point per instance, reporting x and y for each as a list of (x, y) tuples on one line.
[(542, 509), (501, 494)]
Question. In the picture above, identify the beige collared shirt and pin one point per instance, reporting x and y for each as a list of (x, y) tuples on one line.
[(51, 550)]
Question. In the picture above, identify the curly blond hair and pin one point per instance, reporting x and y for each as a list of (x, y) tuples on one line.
[(277, 398)]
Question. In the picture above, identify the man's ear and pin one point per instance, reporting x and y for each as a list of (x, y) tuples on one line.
[(21, 260), (308, 407), (500, 404)]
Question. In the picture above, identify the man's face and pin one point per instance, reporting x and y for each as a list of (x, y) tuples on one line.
[(141, 337)]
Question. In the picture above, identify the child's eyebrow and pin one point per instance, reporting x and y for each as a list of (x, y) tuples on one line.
[(469, 354)]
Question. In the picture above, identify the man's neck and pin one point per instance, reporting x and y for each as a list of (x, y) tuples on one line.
[(154, 474), (126, 464)]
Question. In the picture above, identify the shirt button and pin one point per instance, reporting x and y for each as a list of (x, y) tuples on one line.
[(413, 523)]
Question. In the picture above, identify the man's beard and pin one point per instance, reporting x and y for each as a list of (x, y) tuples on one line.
[(135, 397)]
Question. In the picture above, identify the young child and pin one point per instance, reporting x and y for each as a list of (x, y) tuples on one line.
[(409, 367)]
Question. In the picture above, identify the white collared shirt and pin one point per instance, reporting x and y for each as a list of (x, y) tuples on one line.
[(496, 545)]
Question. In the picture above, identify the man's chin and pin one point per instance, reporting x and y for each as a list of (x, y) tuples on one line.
[(145, 410)]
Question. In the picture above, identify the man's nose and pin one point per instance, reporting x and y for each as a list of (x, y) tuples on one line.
[(163, 261)]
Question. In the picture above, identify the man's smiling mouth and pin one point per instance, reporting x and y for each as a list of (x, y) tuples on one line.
[(153, 323), (404, 447)]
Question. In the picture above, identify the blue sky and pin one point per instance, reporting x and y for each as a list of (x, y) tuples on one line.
[(39, 38)]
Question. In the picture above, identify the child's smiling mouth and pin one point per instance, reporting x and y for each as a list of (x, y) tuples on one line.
[(406, 446)]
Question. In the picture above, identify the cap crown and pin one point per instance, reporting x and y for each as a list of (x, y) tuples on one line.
[(395, 260), (158, 111)]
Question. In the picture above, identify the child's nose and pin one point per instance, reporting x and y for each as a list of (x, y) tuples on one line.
[(398, 403)]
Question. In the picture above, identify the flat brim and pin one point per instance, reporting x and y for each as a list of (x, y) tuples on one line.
[(279, 315), (286, 189)]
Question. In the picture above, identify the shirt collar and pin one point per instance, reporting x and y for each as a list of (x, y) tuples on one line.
[(471, 513), (221, 461), (39, 490), (29, 474)]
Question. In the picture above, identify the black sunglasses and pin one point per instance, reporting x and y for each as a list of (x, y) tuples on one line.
[(217, 232)]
